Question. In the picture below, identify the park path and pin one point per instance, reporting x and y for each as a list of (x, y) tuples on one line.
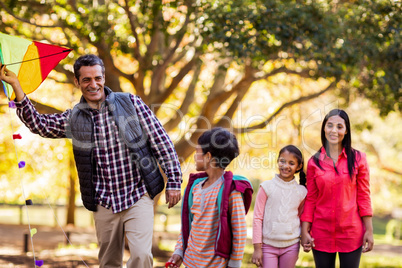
[(50, 245)]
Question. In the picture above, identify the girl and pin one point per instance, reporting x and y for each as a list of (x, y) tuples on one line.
[(276, 224), (337, 214), (213, 232)]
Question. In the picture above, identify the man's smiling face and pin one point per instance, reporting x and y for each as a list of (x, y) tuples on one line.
[(92, 82)]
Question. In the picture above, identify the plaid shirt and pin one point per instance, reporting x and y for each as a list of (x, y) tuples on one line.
[(117, 181)]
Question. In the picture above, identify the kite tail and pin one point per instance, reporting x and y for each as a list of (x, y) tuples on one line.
[(21, 164), (28, 202)]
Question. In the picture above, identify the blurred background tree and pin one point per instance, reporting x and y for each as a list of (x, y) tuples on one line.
[(260, 68)]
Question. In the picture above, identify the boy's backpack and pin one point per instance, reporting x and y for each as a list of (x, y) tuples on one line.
[(223, 242)]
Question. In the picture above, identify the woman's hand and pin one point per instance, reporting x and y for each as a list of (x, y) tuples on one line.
[(368, 238), (174, 261), (368, 241), (257, 255), (306, 241)]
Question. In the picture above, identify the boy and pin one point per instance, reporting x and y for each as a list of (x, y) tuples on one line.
[(213, 211)]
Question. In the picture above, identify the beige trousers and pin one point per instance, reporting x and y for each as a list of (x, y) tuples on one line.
[(137, 224)]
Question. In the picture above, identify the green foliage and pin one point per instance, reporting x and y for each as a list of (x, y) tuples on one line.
[(357, 41), (373, 29), (394, 229), (379, 138)]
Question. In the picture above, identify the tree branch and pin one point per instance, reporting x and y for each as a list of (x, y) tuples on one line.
[(155, 39), (304, 73), (285, 105), (180, 34), (380, 163), (185, 146), (3, 5), (112, 73), (241, 88), (176, 80), (69, 74), (160, 68), (188, 100), (133, 25)]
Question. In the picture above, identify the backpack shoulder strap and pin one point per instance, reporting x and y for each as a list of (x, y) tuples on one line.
[(244, 186), (186, 216)]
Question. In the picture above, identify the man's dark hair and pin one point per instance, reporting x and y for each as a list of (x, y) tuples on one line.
[(87, 60), (221, 144)]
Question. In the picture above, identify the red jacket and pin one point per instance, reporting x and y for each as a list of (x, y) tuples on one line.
[(336, 203)]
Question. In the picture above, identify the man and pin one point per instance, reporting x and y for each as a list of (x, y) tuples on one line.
[(112, 134)]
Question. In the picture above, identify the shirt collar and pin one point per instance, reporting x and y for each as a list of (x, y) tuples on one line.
[(84, 104), (323, 154)]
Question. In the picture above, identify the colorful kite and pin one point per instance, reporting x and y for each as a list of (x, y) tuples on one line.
[(32, 61)]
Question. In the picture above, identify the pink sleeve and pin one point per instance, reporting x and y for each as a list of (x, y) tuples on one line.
[(258, 218)]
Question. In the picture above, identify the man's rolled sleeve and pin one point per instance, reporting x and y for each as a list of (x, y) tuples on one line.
[(173, 185)]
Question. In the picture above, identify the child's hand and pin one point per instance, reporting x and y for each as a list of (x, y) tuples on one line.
[(174, 261), (257, 257), (307, 242)]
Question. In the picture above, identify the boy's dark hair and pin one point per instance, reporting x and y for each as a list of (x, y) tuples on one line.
[(221, 144), (299, 156), (87, 60)]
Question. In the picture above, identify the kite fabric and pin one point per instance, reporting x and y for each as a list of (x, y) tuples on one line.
[(32, 61)]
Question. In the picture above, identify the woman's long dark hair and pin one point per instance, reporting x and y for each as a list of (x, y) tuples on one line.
[(299, 156), (351, 153)]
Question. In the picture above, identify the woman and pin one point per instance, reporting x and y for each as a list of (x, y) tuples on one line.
[(337, 215)]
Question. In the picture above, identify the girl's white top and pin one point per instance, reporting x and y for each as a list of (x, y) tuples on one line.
[(281, 224)]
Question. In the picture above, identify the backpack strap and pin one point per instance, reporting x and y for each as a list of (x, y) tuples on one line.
[(223, 241), (190, 199), (231, 183), (244, 186), (186, 217)]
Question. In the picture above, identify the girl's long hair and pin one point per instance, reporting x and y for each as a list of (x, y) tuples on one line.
[(351, 153), (299, 156)]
